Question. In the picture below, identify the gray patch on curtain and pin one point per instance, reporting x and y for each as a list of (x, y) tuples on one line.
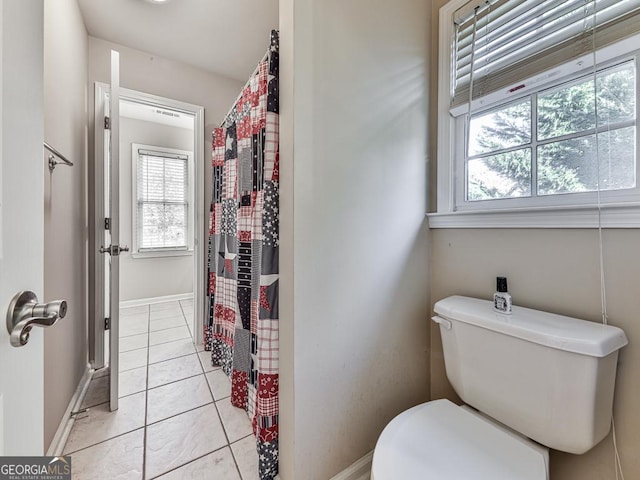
[(246, 175), (241, 355), (255, 275), (270, 260)]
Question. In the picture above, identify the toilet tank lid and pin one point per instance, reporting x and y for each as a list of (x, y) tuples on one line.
[(554, 331)]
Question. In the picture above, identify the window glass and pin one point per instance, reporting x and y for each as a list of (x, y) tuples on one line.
[(617, 153), (567, 109), (502, 152), (506, 175), (571, 166), (616, 94), (504, 128), (567, 166)]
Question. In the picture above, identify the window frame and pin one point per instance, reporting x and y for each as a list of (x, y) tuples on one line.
[(161, 251), (615, 208), (535, 199)]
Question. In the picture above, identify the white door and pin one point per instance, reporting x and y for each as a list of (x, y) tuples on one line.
[(21, 220), (112, 280), (104, 332)]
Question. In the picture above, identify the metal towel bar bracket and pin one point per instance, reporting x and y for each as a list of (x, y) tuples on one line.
[(52, 158)]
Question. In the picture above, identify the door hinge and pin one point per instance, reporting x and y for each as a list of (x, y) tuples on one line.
[(107, 223), (107, 123), (107, 323)]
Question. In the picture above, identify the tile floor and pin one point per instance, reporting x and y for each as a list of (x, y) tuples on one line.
[(174, 419)]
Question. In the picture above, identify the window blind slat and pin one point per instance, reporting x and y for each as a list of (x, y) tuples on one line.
[(510, 50), (517, 40), (526, 30), (511, 12)]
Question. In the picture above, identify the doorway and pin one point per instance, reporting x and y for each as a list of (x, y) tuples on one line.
[(161, 221), (174, 415)]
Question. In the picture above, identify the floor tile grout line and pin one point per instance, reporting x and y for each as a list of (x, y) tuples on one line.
[(104, 441), (174, 381), (193, 315), (133, 335), (133, 349), (146, 404), (194, 460), (159, 361), (235, 460), (234, 455), (172, 358), (162, 343), (119, 398), (171, 341), (149, 332), (235, 408), (169, 328), (158, 330), (173, 317), (178, 414), (182, 310), (224, 430), (240, 439), (181, 356), (132, 368)]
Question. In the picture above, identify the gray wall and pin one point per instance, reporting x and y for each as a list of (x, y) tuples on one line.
[(354, 299), (65, 225), (555, 270), (147, 277)]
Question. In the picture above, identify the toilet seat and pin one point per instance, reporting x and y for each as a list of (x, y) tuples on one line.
[(439, 440)]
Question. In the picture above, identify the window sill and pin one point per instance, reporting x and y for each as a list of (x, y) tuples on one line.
[(586, 216), (162, 253)]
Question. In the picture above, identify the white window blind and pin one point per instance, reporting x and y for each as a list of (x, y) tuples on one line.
[(162, 201), (510, 40)]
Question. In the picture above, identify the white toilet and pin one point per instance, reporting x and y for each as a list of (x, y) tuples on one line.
[(535, 381)]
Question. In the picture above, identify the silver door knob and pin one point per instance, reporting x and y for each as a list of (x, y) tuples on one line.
[(24, 312), (114, 250)]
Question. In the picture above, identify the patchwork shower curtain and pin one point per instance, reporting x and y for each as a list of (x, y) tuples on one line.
[(242, 326)]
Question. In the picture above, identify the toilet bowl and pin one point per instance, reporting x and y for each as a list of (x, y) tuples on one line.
[(535, 380), (439, 440)]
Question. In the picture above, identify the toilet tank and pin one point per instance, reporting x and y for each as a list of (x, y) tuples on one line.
[(547, 376)]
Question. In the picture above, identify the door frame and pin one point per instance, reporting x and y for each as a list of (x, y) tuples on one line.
[(96, 326)]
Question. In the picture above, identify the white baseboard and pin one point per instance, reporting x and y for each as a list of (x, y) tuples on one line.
[(166, 298), (360, 470), (62, 434)]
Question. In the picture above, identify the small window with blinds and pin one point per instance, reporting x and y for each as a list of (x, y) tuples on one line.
[(162, 201), (541, 103)]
